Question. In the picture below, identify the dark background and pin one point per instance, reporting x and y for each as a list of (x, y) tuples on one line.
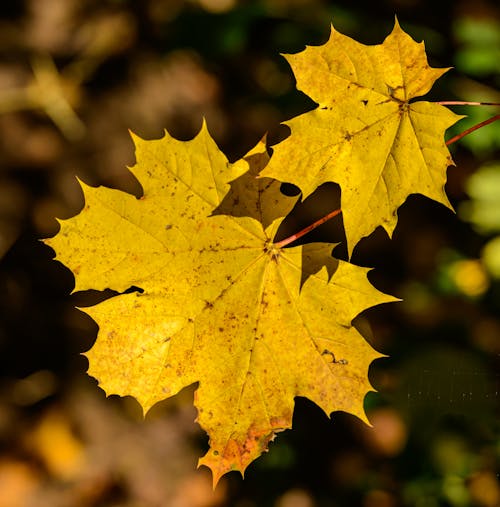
[(74, 77)]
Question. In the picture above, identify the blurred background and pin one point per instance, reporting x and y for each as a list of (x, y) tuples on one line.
[(75, 75)]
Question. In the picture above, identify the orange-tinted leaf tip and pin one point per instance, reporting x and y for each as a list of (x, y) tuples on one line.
[(217, 473)]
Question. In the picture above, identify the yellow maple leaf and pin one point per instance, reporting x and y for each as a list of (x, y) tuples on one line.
[(253, 324), (365, 134)]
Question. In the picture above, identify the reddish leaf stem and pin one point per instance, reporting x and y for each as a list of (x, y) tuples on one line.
[(475, 127), (309, 228), (463, 103)]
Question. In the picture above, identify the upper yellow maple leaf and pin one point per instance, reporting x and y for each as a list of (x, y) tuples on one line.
[(366, 135), (254, 325)]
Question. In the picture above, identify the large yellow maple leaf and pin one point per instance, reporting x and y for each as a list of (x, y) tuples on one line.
[(365, 134), (254, 325)]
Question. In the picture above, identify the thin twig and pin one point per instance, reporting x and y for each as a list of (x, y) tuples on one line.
[(475, 127), (309, 228)]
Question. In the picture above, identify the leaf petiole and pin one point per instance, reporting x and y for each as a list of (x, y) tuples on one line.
[(471, 129), (465, 103), (309, 228)]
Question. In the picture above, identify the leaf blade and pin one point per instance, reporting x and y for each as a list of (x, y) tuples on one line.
[(358, 136), (253, 324)]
